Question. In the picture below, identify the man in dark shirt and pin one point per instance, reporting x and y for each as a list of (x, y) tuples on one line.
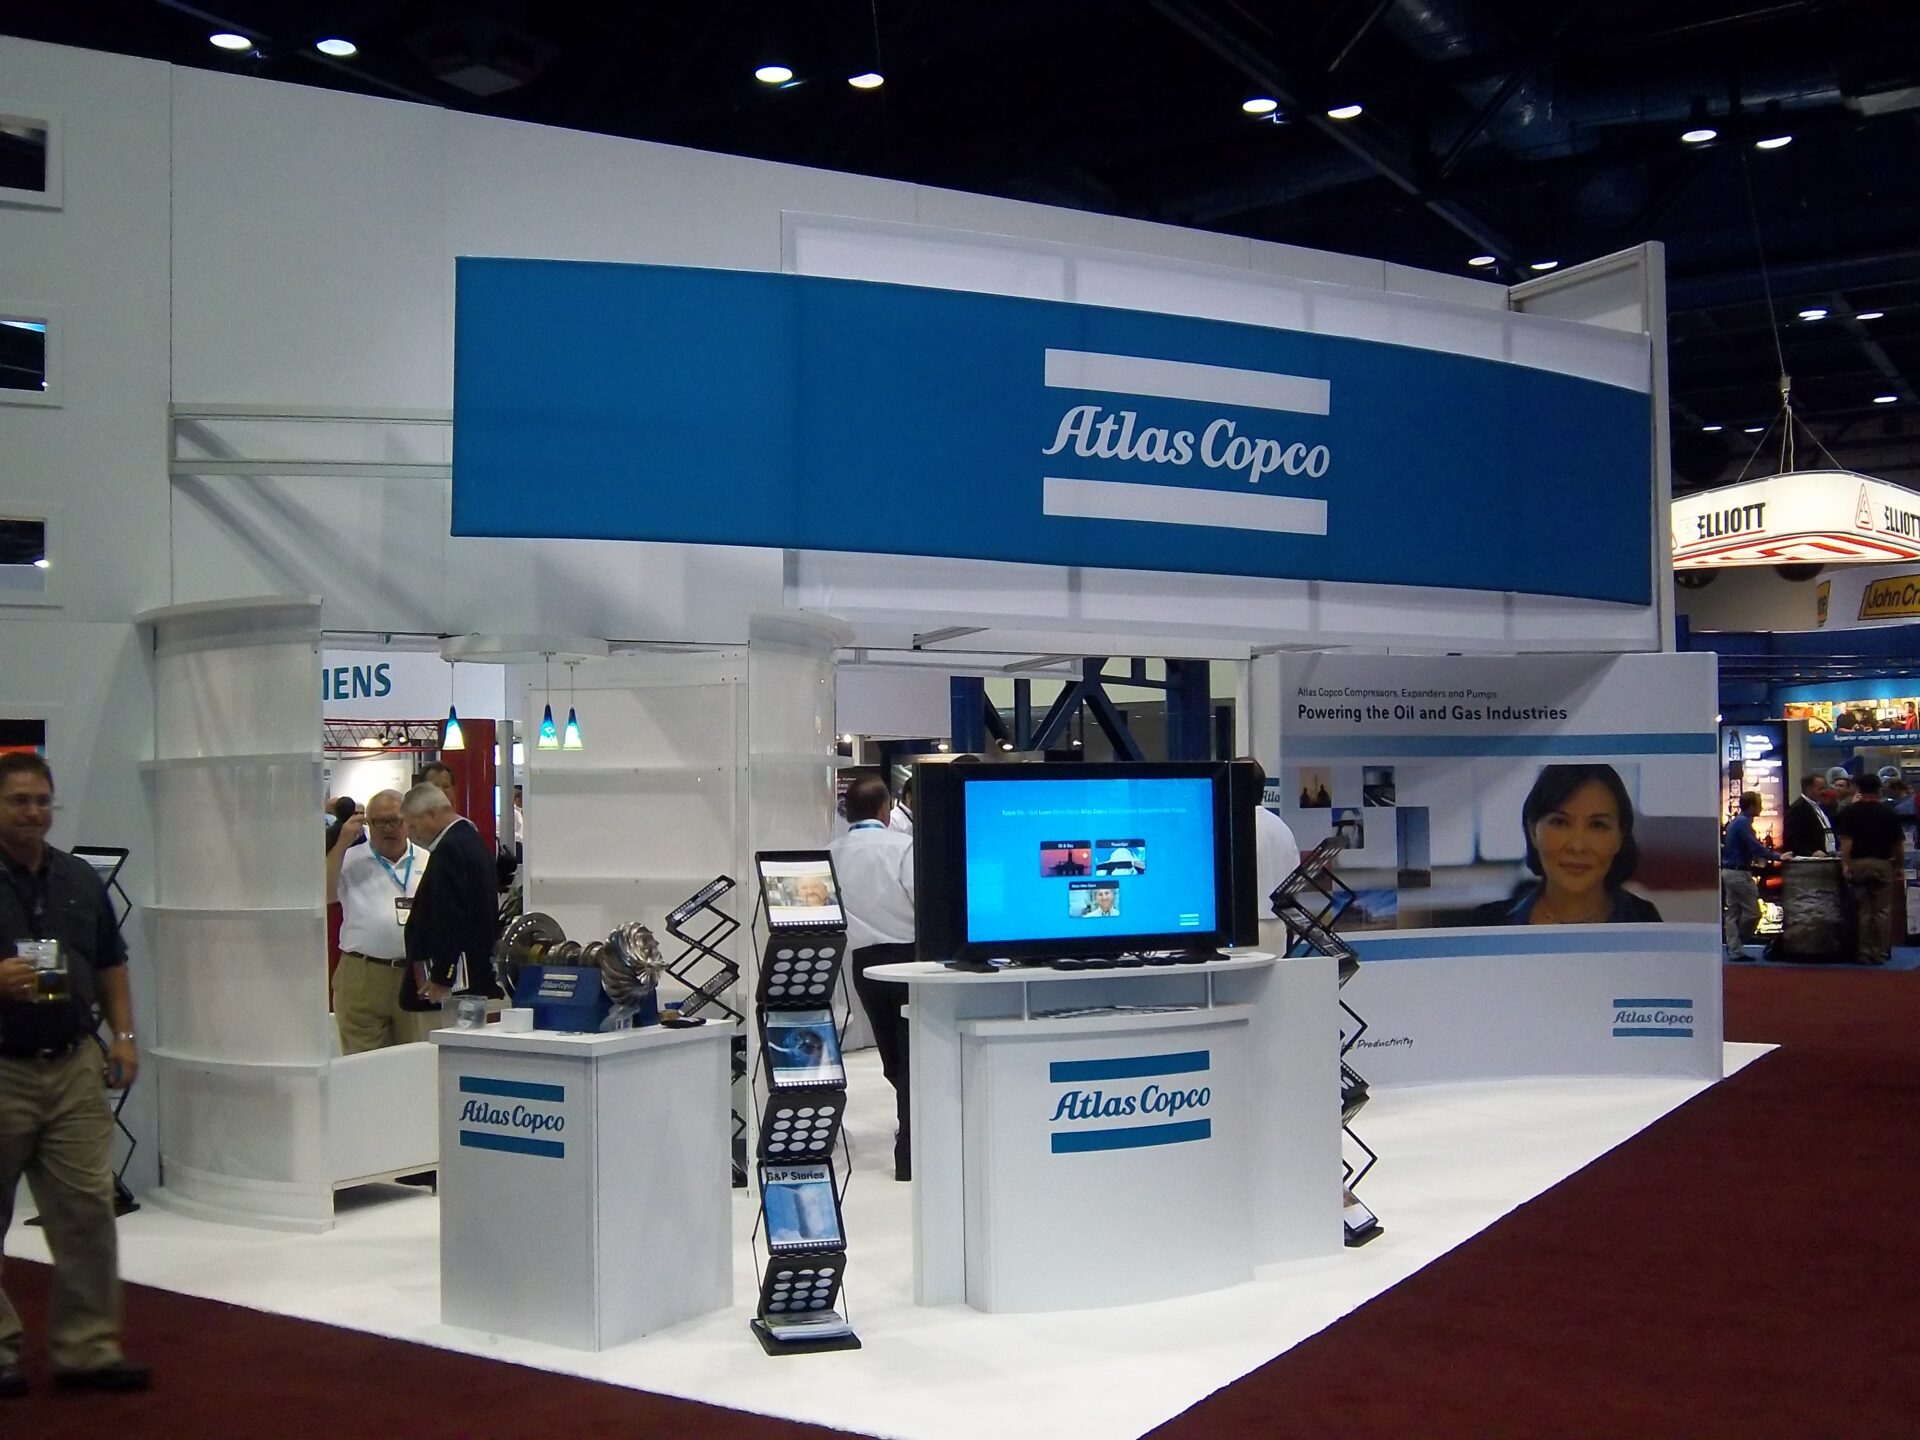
[(1871, 847), (55, 1127), (1809, 831), (456, 912)]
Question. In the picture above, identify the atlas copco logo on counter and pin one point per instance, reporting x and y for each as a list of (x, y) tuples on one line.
[(1154, 1089), (517, 1115), (1656, 1018)]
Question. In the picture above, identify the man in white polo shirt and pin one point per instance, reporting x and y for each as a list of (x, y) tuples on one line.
[(874, 865), (375, 884)]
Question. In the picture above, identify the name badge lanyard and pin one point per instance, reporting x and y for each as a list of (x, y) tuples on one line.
[(866, 825), (394, 875)]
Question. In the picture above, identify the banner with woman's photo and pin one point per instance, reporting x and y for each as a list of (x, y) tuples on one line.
[(1533, 848)]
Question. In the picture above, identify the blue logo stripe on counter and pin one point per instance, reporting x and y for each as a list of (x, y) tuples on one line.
[(511, 1089), (1138, 1067), (1132, 1138), (1653, 1004), (513, 1144), (1682, 1034)]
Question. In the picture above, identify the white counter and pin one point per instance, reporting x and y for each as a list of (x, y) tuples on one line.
[(1066, 1161), (585, 1181)]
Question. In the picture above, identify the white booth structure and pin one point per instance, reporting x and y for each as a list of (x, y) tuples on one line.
[(1051, 1167)]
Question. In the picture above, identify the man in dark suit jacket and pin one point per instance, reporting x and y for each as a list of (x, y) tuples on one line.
[(1808, 829), (456, 911)]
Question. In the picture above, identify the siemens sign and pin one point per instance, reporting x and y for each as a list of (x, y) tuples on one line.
[(637, 402), (1153, 1089), (512, 1115)]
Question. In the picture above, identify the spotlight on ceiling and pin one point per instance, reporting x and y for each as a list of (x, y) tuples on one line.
[(227, 40), (1544, 265), (1481, 262), (872, 80), (1753, 430), (1713, 429), (1885, 399), (1773, 142), (1345, 112), (1260, 105), (1813, 312), (337, 48), (1871, 315), (773, 74), (1699, 135)]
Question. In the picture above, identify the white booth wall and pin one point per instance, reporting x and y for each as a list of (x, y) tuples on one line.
[(275, 264)]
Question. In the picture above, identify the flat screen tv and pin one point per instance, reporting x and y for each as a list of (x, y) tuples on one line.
[(1038, 862)]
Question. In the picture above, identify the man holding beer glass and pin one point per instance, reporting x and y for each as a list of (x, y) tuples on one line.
[(63, 955)]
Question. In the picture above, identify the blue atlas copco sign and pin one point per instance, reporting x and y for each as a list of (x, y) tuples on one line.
[(638, 402), (1157, 1100)]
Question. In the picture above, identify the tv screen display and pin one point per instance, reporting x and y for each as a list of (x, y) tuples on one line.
[(1032, 861), (800, 890)]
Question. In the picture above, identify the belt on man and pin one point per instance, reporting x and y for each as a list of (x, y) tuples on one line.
[(45, 1053), (375, 959)]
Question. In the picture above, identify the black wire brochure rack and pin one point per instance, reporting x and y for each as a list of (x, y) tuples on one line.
[(106, 861), (702, 927), (799, 1310), (1310, 903)]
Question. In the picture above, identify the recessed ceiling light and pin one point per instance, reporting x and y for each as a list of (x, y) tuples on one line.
[(1813, 313), (1544, 265), (1871, 315), (1885, 399), (1480, 262), (1754, 429), (872, 80), (773, 74), (1713, 429), (227, 40), (1773, 142), (1699, 135), (1345, 112), (338, 49), (1260, 105)]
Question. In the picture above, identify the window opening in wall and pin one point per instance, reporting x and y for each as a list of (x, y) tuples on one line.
[(23, 354), (23, 154), (23, 557)]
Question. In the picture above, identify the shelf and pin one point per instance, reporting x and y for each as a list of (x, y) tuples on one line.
[(207, 1062), (831, 762), (202, 762), (659, 773), (685, 884), (264, 912)]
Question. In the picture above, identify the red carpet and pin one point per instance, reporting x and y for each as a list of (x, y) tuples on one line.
[(1745, 1268)]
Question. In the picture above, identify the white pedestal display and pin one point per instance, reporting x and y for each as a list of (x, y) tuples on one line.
[(1066, 1161), (584, 1182)]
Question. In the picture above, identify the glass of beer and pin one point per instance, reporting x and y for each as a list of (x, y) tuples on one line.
[(49, 970)]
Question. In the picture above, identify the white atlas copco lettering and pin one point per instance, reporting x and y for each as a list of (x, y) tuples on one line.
[(1096, 434), (1153, 1100)]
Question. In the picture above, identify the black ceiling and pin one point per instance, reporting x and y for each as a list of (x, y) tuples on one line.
[(1521, 128)]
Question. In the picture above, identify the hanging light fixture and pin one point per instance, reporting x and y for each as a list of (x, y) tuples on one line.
[(549, 733), (570, 737), (453, 737)]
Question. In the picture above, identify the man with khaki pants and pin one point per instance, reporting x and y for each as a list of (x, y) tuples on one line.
[(375, 884), (63, 953)]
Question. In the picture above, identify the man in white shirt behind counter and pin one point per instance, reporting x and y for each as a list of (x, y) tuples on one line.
[(1276, 856), (375, 884), (874, 865)]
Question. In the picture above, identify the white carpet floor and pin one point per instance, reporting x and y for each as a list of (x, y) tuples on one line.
[(1454, 1160)]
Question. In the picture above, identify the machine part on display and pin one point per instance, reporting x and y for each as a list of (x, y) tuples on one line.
[(528, 939), (630, 966)]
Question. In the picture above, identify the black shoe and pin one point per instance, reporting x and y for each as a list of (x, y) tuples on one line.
[(13, 1382), (121, 1377)]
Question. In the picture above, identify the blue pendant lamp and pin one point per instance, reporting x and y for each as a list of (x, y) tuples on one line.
[(549, 738), (452, 737), (570, 737)]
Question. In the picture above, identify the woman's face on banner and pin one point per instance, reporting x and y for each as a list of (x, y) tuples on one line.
[(1577, 842)]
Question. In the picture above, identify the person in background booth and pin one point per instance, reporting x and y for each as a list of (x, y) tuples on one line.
[(902, 819), (1740, 850), (874, 865), (1276, 856), (1839, 790), (1578, 821), (455, 914), (438, 772), (55, 1127), (1872, 846), (1808, 830), (374, 884)]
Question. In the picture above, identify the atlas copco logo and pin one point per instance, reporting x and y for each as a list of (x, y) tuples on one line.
[(1657, 1018), (1165, 1099), (517, 1116)]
